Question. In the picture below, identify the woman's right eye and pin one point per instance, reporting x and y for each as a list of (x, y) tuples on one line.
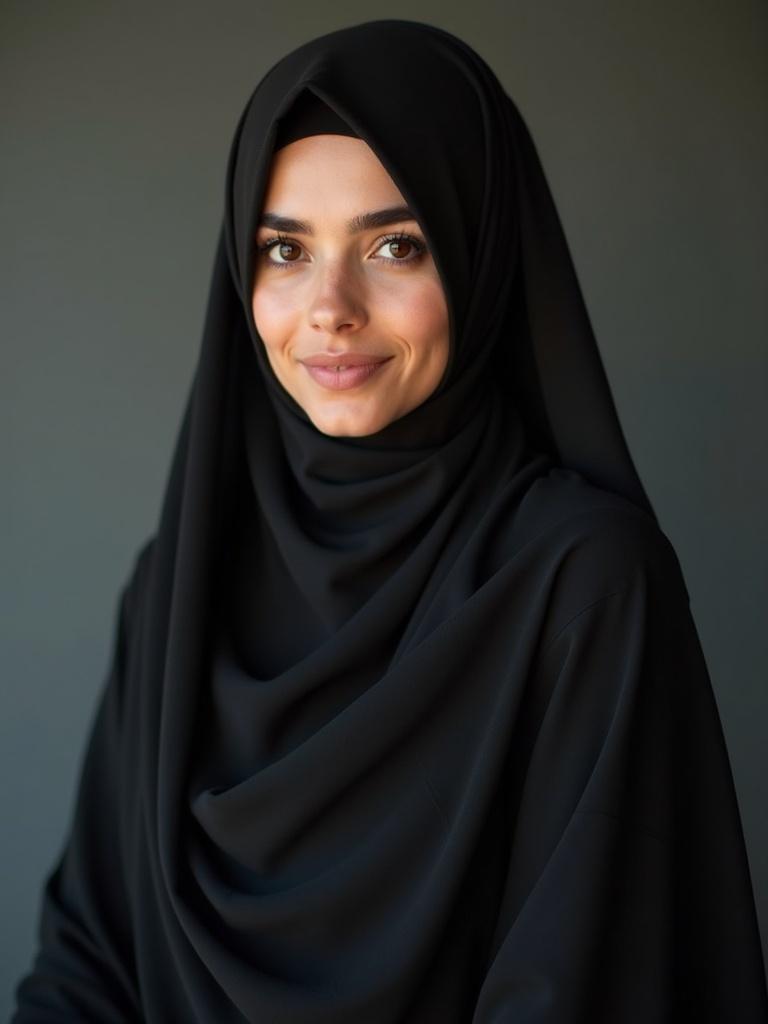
[(283, 247)]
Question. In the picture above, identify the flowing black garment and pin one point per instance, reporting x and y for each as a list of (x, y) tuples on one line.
[(412, 728)]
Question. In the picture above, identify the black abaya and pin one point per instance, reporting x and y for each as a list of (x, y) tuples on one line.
[(412, 728)]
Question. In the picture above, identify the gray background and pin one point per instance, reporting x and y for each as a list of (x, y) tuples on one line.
[(650, 119)]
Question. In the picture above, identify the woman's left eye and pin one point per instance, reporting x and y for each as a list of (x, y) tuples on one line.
[(404, 248)]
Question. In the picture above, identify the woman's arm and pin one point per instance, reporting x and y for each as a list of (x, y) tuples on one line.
[(84, 967), (628, 897)]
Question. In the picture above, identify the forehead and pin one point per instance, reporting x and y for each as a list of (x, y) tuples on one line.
[(327, 169)]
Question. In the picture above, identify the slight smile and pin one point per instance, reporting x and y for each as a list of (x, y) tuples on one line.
[(339, 371)]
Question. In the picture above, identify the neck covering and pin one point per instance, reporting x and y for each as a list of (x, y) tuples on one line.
[(413, 726)]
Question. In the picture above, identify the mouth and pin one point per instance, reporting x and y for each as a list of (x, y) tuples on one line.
[(343, 370)]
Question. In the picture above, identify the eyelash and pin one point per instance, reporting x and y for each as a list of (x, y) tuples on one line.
[(279, 239)]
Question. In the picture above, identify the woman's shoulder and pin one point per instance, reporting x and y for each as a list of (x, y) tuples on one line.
[(592, 540), (135, 582)]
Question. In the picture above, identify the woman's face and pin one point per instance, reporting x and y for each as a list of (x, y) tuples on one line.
[(350, 307)]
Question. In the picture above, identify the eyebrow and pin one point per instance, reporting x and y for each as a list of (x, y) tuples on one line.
[(361, 222)]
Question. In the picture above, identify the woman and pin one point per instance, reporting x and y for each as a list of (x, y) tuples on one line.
[(407, 719)]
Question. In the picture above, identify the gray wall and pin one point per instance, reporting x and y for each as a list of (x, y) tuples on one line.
[(650, 119)]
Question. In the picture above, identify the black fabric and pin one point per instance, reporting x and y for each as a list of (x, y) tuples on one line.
[(308, 115), (413, 727)]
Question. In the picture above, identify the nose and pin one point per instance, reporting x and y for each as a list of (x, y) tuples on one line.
[(337, 305)]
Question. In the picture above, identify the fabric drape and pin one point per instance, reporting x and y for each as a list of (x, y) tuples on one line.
[(413, 727)]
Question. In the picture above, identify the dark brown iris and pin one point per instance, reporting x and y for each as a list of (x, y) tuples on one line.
[(287, 245), (396, 248)]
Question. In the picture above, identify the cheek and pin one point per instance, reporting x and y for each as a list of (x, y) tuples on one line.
[(273, 315), (423, 319)]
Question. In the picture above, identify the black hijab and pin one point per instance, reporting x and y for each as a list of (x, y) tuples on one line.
[(411, 727)]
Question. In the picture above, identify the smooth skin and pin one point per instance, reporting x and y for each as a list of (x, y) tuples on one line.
[(328, 286)]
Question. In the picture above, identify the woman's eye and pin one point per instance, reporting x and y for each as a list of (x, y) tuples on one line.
[(288, 252), (402, 249)]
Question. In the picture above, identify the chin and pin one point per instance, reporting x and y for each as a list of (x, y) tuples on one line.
[(347, 426)]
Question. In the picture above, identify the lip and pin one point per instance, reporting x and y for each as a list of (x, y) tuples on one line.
[(343, 359), (358, 368)]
